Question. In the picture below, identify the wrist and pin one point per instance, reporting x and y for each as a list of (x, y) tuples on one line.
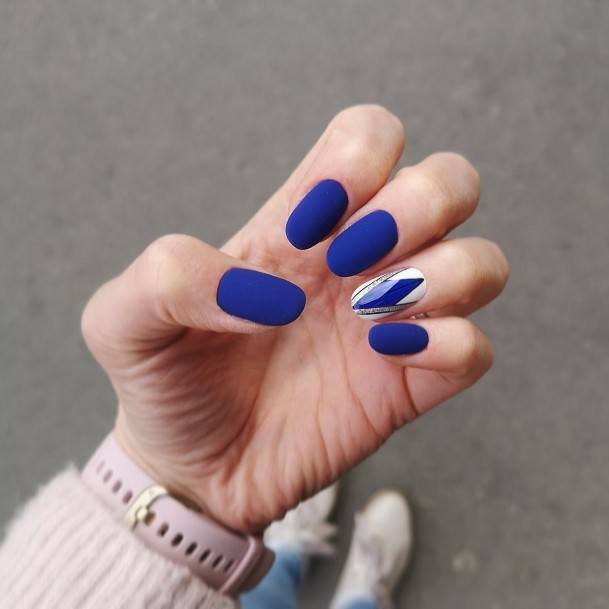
[(227, 561), (196, 466), (160, 471)]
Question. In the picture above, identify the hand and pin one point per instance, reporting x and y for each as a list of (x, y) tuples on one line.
[(247, 419)]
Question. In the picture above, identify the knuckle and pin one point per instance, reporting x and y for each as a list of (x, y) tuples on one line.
[(463, 267), (434, 189), (366, 130), (447, 183), (164, 263), (475, 356), (402, 174), (418, 183), (488, 358), (502, 264), (471, 351), (88, 324), (464, 176), (165, 250), (368, 117), (461, 165), (489, 257)]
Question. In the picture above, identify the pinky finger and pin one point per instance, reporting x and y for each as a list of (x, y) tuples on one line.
[(443, 356)]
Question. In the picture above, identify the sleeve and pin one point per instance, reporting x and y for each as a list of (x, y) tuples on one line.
[(64, 550)]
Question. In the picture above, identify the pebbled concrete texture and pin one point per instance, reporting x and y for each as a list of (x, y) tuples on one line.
[(121, 121)]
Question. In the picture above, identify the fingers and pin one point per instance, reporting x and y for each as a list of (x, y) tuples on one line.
[(454, 277), (419, 206), (463, 275), (443, 355), (353, 160), (347, 166), (180, 282)]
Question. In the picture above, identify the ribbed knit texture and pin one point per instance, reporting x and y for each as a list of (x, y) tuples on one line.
[(63, 550)]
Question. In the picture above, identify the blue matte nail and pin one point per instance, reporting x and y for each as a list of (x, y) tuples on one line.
[(259, 297), (362, 244), (398, 339), (317, 214)]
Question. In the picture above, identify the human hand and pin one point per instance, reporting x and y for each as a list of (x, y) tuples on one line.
[(247, 419)]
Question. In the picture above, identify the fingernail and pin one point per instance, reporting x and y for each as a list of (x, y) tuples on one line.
[(259, 297), (362, 244), (317, 214), (388, 293), (398, 339)]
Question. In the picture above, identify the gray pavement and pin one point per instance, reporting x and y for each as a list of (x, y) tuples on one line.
[(121, 121)]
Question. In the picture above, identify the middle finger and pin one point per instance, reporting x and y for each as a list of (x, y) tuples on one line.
[(419, 206)]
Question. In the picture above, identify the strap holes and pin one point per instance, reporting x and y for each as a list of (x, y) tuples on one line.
[(99, 467), (191, 548), (117, 486), (177, 540), (127, 497), (163, 529), (228, 565), (149, 518), (204, 556), (107, 476), (217, 561)]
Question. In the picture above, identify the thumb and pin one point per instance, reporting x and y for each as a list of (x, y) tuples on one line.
[(179, 282)]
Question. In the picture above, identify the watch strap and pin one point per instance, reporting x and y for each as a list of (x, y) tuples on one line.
[(227, 561)]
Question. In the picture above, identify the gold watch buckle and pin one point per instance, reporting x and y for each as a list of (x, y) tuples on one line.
[(140, 508)]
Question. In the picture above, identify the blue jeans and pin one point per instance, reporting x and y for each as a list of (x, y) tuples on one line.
[(363, 603), (279, 589)]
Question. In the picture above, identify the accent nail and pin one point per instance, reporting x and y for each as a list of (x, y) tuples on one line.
[(362, 244), (389, 293), (398, 339), (317, 214), (259, 297)]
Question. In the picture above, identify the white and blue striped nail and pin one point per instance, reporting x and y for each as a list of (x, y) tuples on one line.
[(389, 293)]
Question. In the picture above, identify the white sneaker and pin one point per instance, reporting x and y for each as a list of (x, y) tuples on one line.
[(380, 551), (306, 529)]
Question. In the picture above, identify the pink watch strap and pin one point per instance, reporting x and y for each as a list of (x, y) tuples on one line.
[(227, 561)]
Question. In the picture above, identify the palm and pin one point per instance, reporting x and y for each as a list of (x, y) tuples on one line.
[(247, 423), (280, 413)]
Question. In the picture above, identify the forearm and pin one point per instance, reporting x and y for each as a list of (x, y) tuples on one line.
[(63, 549)]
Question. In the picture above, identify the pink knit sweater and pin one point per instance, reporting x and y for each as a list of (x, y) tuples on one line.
[(63, 550)]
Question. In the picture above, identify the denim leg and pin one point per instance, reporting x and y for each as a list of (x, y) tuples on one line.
[(359, 603), (278, 590)]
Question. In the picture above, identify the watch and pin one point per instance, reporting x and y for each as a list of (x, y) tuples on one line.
[(226, 560)]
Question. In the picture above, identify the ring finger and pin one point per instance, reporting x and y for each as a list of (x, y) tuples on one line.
[(454, 277)]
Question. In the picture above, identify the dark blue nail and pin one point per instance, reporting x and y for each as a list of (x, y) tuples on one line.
[(362, 244), (260, 297), (398, 339), (317, 214)]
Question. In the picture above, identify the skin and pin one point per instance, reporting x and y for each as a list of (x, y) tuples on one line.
[(245, 420)]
